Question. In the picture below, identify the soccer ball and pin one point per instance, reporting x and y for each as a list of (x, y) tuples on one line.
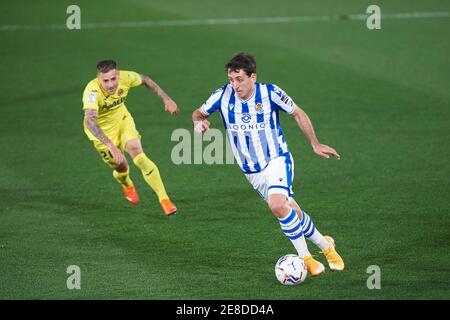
[(290, 269)]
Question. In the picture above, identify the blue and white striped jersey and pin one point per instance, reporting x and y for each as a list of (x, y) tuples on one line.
[(253, 126)]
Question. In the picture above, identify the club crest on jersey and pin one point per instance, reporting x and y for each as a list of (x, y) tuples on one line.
[(120, 92), (259, 108), (246, 118)]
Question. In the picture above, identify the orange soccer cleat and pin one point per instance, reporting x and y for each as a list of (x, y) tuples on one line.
[(334, 259), (314, 267), (168, 207), (131, 195)]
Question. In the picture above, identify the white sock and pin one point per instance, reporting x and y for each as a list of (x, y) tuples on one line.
[(310, 232), (292, 228)]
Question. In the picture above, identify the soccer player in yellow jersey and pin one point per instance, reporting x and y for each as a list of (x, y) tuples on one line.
[(110, 126)]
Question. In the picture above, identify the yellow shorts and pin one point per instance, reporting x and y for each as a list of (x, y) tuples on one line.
[(119, 136)]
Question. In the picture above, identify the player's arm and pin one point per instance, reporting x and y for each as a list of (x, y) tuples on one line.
[(169, 104), (200, 120), (200, 115), (306, 126), (91, 123)]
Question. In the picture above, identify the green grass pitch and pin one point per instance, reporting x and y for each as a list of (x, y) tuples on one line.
[(380, 97)]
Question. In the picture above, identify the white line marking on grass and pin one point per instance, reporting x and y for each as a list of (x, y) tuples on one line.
[(228, 21)]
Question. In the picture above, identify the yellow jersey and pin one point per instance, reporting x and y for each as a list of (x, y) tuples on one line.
[(111, 108)]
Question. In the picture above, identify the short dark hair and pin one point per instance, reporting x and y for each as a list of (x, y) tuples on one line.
[(106, 65), (244, 61)]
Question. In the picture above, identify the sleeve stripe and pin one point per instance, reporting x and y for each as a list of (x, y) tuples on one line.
[(285, 107), (214, 102), (202, 110)]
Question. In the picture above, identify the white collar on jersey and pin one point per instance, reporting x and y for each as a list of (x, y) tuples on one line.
[(246, 100)]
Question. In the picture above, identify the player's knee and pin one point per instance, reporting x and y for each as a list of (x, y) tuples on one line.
[(134, 148), (279, 207), (134, 151)]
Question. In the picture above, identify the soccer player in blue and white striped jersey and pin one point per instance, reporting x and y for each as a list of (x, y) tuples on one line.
[(250, 113)]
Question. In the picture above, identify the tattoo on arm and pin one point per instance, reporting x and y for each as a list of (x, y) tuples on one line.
[(91, 123), (152, 85)]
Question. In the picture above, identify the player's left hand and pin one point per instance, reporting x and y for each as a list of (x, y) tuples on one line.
[(202, 125), (171, 107), (324, 151)]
